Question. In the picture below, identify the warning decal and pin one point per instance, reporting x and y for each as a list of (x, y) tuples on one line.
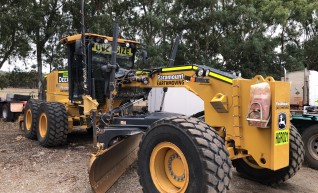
[(281, 137)]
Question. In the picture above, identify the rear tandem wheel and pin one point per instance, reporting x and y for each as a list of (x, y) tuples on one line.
[(30, 123), (183, 154)]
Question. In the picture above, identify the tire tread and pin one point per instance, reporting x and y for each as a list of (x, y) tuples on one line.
[(307, 133), (215, 160), (57, 124), (34, 105), (273, 178)]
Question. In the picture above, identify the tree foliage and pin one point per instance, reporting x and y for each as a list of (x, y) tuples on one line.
[(13, 40), (18, 79), (250, 36)]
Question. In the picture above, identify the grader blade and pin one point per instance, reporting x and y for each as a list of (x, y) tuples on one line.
[(106, 167)]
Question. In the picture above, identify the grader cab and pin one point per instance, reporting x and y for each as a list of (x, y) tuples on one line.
[(245, 121)]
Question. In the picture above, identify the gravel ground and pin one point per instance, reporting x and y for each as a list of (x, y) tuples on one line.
[(29, 168)]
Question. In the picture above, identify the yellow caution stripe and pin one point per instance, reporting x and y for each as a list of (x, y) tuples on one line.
[(211, 74), (179, 68), (220, 77)]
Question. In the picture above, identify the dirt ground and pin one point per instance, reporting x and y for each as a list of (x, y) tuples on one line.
[(29, 168)]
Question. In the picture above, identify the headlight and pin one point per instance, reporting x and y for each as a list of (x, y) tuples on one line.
[(200, 72), (105, 41), (145, 81), (127, 45), (207, 72)]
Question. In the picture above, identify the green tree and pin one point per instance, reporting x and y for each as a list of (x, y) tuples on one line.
[(13, 41), (295, 19), (3, 81), (251, 36), (311, 53), (45, 21)]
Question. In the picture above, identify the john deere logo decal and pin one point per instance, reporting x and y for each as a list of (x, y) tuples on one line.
[(63, 77), (282, 121)]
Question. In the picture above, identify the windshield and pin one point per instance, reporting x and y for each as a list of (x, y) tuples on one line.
[(101, 54)]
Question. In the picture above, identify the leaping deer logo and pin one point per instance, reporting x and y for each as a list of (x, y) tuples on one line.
[(282, 121)]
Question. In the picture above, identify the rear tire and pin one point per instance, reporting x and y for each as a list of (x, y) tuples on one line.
[(30, 123), (183, 154), (270, 177), (310, 138), (52, 124), (7, 115)]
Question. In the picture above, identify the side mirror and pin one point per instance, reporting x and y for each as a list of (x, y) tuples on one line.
[(144, 56), (78, 47)]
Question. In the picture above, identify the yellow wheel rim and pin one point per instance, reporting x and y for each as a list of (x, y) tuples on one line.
[(28, 119), (43, 125), (169, 168), (252, 163)]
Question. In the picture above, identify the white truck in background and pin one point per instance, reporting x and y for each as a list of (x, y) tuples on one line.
[(304, 110), (303, 88)]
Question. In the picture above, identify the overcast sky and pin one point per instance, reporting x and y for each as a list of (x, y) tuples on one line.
[(20, 64)]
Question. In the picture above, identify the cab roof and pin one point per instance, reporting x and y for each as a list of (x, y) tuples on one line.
[(73, 38)]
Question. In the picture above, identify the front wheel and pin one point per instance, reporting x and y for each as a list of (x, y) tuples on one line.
[(183, 154), (248, 168), (310, 138)]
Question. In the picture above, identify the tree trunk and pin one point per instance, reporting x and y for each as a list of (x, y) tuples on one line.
[(39, 62)]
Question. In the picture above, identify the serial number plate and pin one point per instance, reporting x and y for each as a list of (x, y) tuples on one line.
[(281, 137)]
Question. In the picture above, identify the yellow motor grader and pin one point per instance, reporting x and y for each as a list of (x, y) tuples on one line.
[(245, 121)]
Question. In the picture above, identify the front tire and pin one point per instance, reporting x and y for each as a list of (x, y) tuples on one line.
[(310, 138), (249, 169), (52, 124), (183, 154)]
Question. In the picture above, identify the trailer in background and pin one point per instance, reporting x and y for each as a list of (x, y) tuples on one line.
[(304, 110), (303, 88), (12, 106), (307, 125)]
